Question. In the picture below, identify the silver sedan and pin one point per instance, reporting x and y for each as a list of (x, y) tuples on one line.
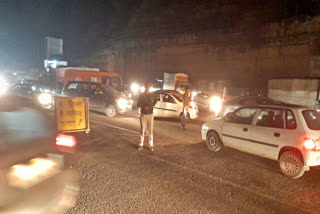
[(232, 105)]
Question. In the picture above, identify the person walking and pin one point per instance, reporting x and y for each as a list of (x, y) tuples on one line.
[(146, 103), (186, 99)]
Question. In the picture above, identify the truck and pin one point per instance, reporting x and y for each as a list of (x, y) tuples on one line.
[(295, 91), (91, 76), (65, 75), (174, 81), (61, 72)]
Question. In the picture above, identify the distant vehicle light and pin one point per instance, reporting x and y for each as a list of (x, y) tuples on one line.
[(3, 86), (64, 140), (152, 89), (122, 103), (309, 144), (135, 87), (142, 89), (194, 93), (45, 99), (215, 104)]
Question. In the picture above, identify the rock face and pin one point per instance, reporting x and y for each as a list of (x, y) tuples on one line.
[(247, 54)]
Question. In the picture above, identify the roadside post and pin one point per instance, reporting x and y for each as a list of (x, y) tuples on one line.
[(72, 114)]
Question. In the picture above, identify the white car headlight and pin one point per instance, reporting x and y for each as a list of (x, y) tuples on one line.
[(204, 127), (122, 103), (135, 88), (45, 99), (193, 104), (215, 104)]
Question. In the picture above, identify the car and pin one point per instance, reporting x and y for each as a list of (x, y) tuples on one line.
[(33, 178), (213, 101), (169, 104), (39, 93), (231, 93), (232, 105), (203, 100), (286, 133), (106, 100)]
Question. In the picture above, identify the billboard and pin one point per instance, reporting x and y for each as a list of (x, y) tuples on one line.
[(54, 46)]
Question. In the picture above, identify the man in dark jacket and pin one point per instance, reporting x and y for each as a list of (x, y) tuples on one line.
[(146, 102)]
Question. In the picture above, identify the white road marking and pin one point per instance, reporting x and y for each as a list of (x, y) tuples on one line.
[(116, 127), (226, 182)]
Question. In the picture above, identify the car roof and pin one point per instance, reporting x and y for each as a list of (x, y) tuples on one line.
[(280, 105), (83, 82), (166, 91)]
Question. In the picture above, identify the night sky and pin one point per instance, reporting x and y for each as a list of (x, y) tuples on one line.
[(85, 24), (82, 24)]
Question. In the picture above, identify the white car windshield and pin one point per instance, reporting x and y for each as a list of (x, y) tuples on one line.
[(176, 95)]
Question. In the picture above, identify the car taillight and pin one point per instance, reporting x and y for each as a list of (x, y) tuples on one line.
[(64, 140), (309, 144)]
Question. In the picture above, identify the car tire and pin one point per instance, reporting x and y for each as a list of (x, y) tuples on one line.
[(291, 164), (111, 111), (214, 143)]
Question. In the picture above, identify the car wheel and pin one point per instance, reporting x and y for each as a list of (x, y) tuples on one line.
[(291, 164), (214, 143), (111, 110)]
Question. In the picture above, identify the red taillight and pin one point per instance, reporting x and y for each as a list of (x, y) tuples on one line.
[(64, 140), (309, 144)]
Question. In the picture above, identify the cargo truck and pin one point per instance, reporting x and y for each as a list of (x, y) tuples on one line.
[(175, 81)]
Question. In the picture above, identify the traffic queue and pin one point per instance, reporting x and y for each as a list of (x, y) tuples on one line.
[(244, 119)]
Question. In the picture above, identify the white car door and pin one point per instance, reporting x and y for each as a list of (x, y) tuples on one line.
[(237, 129), (158, 109), (171, 106), (274, 128)]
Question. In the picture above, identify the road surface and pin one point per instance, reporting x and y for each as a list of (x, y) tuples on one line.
[(181, 176)]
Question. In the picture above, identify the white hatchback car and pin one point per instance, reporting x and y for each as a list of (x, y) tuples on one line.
[(170, 105), (286, 133)]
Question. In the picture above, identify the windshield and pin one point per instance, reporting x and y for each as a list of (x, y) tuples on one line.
[(176, 95), (312, 118), (233, 92)]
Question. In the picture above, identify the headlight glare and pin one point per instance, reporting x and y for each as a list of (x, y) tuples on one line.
[(122, 103), (45, 99), (215, 104)]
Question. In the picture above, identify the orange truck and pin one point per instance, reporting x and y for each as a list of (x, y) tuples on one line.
[(64, 75)]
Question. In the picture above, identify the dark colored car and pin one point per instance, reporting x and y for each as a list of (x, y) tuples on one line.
[(106, 100), (40, 94), (33, 178)]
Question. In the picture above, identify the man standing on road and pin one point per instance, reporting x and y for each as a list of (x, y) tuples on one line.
[(146, 102), (186, 98)]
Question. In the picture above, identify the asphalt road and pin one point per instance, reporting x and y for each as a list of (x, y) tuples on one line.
[(181, 176)]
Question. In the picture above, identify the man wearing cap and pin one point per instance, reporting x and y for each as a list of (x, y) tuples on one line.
[(146, 102)]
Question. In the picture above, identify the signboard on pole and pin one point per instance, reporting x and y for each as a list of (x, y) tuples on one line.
[(72, 114), (54, 46)]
